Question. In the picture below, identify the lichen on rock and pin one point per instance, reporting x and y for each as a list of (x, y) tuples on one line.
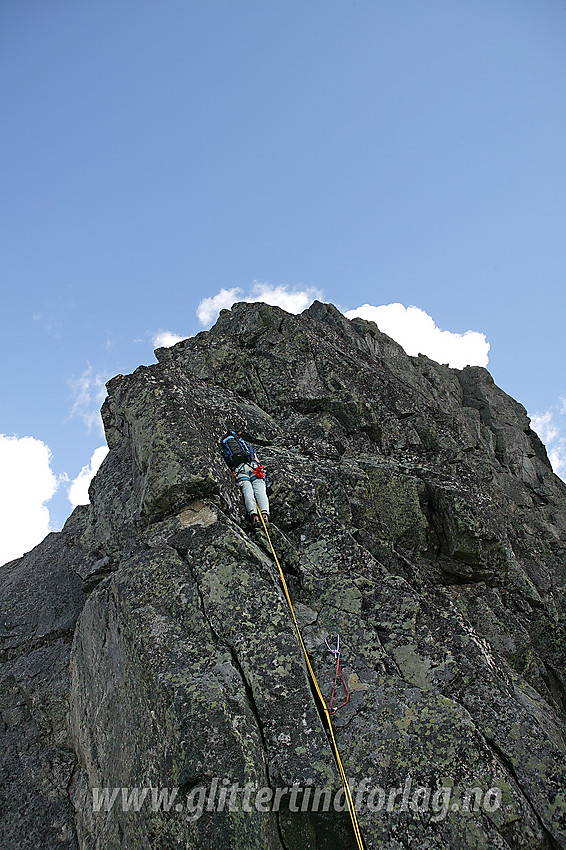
[(414, 513)]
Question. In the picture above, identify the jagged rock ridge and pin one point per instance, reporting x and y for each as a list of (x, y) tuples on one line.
[(415, 513)]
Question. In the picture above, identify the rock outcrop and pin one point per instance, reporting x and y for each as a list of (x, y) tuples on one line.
[(152, 687)]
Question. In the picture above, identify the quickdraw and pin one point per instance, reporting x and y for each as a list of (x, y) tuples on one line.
[(336, 653)]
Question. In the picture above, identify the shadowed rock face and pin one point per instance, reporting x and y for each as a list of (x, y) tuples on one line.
[(415, 513)]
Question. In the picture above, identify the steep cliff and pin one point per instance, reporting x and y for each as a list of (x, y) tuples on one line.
[(149, 644)]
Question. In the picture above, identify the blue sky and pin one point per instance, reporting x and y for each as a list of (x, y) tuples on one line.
[(366, 152)]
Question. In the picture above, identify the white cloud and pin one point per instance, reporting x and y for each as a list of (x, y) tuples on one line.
[(26, 483), (551, 428), (294, 301), (78, 491), (209, 308), (545, 426), (557, 458), (165, 339), (89, 390), (418, 333)]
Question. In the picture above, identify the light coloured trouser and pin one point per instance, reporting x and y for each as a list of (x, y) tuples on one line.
[(253, 489)]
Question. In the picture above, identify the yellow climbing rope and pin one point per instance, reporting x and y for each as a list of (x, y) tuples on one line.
[(351, 807)]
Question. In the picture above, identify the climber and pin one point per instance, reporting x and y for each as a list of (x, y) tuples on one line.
[(242, 459)]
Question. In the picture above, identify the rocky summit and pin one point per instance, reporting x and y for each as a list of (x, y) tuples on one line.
[(153, 690)]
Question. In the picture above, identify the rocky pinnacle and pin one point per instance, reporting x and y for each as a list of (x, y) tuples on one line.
[(153, 694)]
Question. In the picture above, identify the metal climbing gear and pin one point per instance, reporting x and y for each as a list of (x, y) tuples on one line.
[(336, 653)]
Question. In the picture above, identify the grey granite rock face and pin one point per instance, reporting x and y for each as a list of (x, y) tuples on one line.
[(41, 596), (415, 513)]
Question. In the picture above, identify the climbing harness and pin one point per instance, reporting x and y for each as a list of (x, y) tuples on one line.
[(336, 653), (327, 710)]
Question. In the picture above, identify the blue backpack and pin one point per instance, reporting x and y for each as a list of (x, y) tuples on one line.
[(235, 451)]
